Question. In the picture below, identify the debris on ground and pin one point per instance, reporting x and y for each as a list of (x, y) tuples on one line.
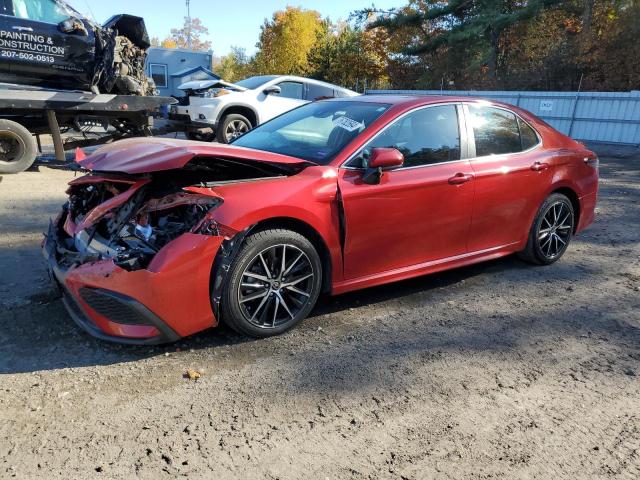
[(193, 374)]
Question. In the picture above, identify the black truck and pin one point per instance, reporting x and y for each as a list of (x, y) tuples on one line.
[(47, 43), (60, 71)]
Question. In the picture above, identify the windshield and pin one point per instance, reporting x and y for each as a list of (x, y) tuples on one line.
[(43, 11), (316, 132), (252, 83)]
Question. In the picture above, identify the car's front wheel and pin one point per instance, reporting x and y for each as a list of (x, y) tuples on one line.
[(551, 231), (273, 283), (231, 127)]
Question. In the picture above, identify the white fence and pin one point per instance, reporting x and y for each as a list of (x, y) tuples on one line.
[(610, 117)]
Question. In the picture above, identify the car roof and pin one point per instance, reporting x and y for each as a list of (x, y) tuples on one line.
[(404, 100), (311, 80)]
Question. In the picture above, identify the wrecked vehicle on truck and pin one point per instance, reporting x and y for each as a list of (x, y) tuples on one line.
[(46, 43)]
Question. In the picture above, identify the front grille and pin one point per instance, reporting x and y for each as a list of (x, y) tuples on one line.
[(109, 305)]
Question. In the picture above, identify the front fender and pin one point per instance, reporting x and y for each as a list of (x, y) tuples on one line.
[(309, 197), (235, 104)]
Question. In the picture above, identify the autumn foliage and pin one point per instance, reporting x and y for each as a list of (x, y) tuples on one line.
[(455, 44)]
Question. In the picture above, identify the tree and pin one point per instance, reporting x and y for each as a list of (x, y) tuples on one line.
[(189, 36), (349, 55), (234, 66), (286, 40), (609, 51), (472, 25), (169, 43)]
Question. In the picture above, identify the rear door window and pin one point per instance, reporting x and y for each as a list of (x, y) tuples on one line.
[(495, 131), (318, 92), (528, 136), (291, 90)]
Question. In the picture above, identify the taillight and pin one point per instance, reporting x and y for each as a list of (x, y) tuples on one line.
[(592, 162)]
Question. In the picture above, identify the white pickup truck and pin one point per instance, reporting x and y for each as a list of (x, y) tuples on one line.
[(227, 110)]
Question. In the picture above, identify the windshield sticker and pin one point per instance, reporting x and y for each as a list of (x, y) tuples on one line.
[(347, 123)]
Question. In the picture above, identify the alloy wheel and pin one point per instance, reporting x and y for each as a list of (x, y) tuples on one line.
[(235, 129), (555, 230), (275, 286)]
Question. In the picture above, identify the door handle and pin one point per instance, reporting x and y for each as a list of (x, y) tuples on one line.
[(22, 29), (460, 178), (539, 166)]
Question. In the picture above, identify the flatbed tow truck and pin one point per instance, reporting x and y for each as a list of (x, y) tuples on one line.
[(61, 72), (26, 113)]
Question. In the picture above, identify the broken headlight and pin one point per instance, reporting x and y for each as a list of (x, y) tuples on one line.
[(158, 223)]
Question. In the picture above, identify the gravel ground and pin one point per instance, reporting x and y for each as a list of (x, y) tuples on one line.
[(500, 371)]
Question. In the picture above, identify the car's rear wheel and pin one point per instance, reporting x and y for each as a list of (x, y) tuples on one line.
[(17, 147), (551, 231), (231, 127), (273, 283)]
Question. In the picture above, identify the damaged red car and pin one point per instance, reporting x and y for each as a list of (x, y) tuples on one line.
[(163, 238)]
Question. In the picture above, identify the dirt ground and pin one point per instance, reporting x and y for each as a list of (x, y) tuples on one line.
[(496, 371)]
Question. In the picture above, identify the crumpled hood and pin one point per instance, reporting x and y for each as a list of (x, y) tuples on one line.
[(145, 155), (197, 85)]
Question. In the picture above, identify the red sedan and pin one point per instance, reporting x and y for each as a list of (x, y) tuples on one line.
[(163, 238)]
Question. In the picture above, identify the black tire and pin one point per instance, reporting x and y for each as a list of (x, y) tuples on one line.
[(549, 239), (264, 315), (17, 147), (234, 121)]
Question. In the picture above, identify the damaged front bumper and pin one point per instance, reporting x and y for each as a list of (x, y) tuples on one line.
[(148, 306)]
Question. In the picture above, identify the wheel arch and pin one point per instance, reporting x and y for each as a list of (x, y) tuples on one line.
[(307, 231), (243, 110), (230, 248), (575, 202)]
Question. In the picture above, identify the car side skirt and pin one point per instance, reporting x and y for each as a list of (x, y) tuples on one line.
[(425, 268)]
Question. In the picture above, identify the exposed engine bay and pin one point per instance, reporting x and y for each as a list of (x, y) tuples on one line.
[(125, 42), (130, 218)]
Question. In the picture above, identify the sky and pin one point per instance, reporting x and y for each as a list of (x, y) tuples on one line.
[(230, 23)]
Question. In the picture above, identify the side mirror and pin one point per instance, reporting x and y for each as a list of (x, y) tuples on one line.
[(381, 159), (73, 25), (272, 90)]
